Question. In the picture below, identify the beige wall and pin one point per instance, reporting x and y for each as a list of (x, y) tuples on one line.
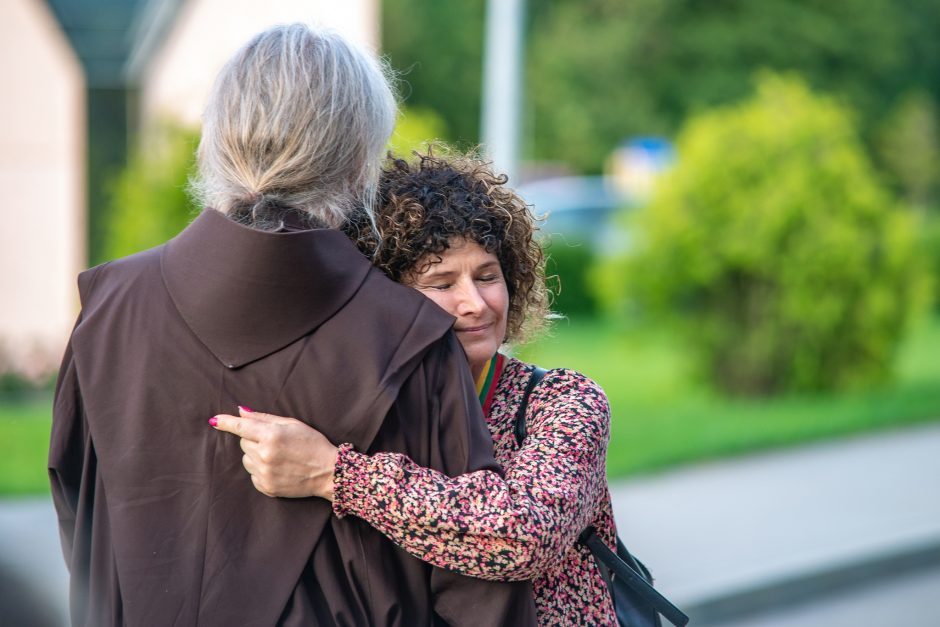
[(206, 33), (42, 170)]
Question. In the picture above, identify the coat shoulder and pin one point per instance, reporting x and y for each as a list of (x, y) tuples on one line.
[(400, 309), (108, 276)]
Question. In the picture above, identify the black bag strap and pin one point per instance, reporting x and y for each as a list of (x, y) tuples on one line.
[(519, 425), (632, 578), (629, 574)]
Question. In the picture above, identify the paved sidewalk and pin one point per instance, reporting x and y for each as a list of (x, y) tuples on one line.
[(721, 538), (30, 553), (772, 529)]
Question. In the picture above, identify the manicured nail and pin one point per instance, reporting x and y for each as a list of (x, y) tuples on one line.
[(246, 409), (213, 421)]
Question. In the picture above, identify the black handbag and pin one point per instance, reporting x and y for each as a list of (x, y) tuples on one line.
[(636, 601)]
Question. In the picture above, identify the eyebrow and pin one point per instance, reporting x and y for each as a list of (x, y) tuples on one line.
[(440, 274), (435, 274)]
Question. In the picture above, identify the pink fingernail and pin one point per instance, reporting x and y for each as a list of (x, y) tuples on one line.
[(246, 409), (213, 421)]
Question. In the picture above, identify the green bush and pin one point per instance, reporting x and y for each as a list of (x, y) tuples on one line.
[(774, 245), (909, 147), (928, 232), (15, 386), (567, 267), (415, 129), (149, 199), (26, 375)]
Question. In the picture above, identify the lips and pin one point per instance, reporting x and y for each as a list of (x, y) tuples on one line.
[(482, 327)]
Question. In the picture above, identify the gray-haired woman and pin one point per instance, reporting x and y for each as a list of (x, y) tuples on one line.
[(159, 524)]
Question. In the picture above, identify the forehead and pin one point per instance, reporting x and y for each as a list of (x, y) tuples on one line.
[(461, 253)]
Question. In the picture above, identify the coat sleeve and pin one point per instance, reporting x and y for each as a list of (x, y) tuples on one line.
[(483, 524), (460, 443), (67, 451)]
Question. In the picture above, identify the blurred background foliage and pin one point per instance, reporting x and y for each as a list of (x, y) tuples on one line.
[(774, 289), (784, 239), (436, 49), (773, 243), (908, 144), (416, 129), (599, 71), (567, 270), (770, 292), (784, 235), (149, 203), (602, 70)]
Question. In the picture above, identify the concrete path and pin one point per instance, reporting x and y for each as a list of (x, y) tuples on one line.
[(30, 554), (728, 541), (738, 536), (908, 601)]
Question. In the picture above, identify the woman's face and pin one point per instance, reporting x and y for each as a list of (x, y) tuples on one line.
[(468, 283)]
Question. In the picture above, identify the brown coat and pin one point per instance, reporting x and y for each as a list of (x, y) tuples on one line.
[(160, 523)]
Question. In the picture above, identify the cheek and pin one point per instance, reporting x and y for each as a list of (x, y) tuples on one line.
[(498, 301)]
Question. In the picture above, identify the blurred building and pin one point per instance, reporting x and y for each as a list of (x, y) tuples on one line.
[(42, 175), (181, 45), (82, 79)]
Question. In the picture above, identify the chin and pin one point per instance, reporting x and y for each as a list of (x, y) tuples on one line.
[(480, 355)]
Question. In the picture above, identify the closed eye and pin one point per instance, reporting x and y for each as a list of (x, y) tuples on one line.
[(440, 287)]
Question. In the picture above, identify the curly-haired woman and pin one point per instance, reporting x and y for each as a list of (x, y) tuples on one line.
[(450, 228)]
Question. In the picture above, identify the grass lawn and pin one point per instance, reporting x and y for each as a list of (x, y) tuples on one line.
[(662, 416), (24, 442)]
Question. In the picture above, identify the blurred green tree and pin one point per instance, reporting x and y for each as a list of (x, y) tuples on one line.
[(601, 70), (437, 50), (567, 267), (773, 243), (149, 201), (415, 130), (928, 232), (909, 146)]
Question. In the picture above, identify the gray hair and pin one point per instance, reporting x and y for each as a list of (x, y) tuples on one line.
[(297, 120)]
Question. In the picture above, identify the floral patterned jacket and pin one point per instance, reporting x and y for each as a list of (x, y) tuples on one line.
[(523, 525)]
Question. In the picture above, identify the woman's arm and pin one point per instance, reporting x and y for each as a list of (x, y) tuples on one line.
[(288, 458), (481, 524)]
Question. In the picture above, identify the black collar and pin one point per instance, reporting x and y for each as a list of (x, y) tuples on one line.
[(247, 293)]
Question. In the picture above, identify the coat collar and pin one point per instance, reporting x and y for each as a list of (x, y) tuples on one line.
[(247, 293)]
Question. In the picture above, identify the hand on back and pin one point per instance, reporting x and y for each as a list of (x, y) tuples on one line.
[(284, 456)]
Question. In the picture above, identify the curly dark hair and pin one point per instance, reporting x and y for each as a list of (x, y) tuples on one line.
[(425, 204)]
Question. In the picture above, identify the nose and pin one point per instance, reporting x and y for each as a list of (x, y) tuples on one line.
[(470, 301)]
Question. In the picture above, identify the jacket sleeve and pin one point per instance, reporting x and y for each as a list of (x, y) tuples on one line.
[(482, 524), (67, 451), (459, 442)]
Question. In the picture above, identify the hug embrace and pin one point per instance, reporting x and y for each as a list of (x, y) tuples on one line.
[(363, 309)]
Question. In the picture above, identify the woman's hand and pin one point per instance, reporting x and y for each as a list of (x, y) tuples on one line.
[(285, 457)]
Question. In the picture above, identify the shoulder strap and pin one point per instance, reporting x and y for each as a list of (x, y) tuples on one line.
[(634, 580), (519, 425)]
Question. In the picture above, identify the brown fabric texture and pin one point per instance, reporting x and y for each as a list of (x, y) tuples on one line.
[(160, 523)]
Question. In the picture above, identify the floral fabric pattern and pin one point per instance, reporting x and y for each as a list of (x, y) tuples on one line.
[(523, 525)]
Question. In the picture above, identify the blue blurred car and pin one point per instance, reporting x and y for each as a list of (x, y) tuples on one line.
[(581, 210)]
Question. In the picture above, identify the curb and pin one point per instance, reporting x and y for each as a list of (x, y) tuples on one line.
[(800, 588)]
